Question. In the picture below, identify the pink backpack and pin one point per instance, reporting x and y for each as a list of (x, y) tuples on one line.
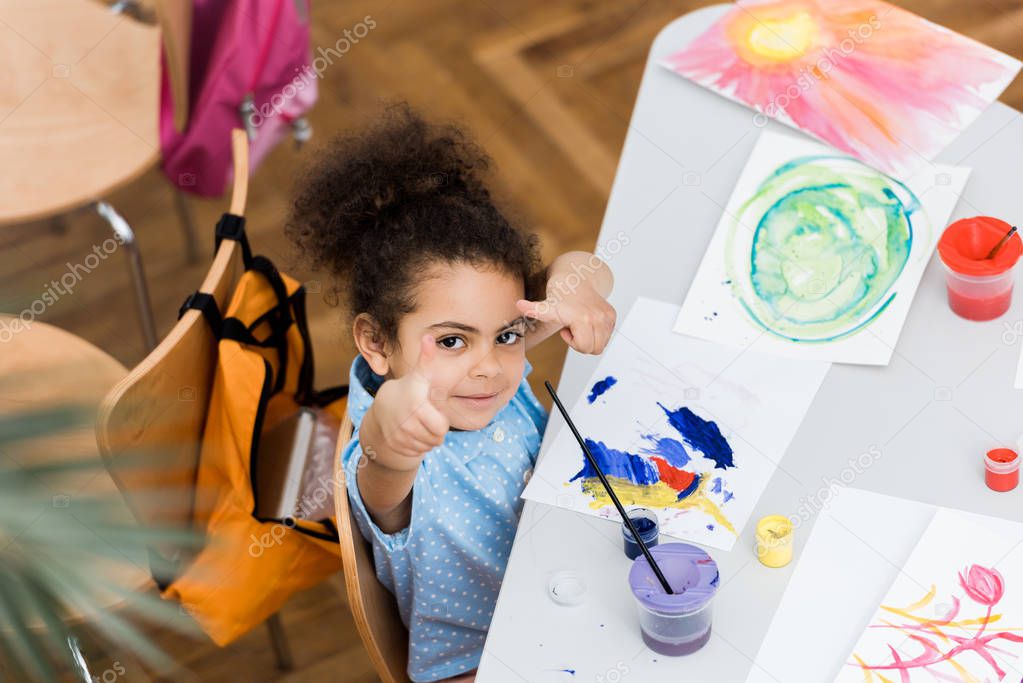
[(249, 68)]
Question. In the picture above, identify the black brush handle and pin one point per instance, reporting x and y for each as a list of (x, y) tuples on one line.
[(610, 491)]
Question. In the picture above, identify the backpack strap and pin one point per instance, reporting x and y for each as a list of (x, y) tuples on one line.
[(279, 319), (201, 301), (268, 270), (327, 396), (232, 227)]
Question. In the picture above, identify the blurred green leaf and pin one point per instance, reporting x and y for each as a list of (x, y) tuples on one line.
[(57, 548)]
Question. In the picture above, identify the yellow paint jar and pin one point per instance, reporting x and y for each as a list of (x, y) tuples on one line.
[(774, 541)]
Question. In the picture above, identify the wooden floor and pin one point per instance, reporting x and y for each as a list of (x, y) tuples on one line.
[(547, 87)]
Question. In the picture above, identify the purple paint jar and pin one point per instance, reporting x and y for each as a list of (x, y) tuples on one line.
[(677, 624)]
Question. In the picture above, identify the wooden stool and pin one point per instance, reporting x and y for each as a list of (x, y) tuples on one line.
[(43, 367)]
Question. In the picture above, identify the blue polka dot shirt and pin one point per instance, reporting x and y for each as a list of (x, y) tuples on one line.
[(445, 568)]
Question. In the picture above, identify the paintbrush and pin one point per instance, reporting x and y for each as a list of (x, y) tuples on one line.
[(1001, 243), (607, 485)]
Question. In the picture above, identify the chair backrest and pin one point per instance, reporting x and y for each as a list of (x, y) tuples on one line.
[(376, 613), (159, 409), (175, 17)]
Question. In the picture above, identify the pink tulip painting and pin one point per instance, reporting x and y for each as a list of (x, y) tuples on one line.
[(940, 647), (864, 76), (984, 586)]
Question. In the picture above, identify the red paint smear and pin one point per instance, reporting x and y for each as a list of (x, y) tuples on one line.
[(677, 479)]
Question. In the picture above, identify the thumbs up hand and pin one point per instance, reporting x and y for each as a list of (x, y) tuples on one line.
[(410, 424)]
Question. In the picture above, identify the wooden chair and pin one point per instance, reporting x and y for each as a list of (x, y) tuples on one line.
[(161, 406), (41, 367), (175, 17), (373, 607), (85, 95)]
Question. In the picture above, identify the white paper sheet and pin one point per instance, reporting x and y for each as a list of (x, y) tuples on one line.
[(882, 550), (817, 256), (857, 544), (722, 399), (954, 611)]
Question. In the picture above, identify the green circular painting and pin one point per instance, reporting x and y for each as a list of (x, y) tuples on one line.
[(814, 254)]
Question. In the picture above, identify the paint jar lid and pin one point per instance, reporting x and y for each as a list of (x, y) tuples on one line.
[(965, 244), (567, 588), (1001, 460), (774, 529), (690, 571)]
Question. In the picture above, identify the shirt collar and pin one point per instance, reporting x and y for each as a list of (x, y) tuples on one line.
[(362, 386)]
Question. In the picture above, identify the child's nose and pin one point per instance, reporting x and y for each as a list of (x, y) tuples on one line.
[(486, 367)]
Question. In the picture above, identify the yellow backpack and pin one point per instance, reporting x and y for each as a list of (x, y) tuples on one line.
[(249, 567)]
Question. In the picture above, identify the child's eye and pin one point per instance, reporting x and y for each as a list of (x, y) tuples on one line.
[(509, 337), (451, 342)]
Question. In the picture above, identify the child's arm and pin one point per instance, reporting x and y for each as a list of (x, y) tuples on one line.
[(396, 433), (578, 284)]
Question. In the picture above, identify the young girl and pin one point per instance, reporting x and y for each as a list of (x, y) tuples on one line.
[(446, 297)]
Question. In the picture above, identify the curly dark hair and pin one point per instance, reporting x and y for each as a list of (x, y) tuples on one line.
[(378, 207)]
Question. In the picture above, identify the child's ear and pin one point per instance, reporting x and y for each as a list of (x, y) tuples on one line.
[(370, 342)]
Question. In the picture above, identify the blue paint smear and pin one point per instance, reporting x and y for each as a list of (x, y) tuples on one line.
[(567, 671), (710, 527), (600, 387), (671, 450), (615, 463), (718, 486), (703, 435), (688, 491)]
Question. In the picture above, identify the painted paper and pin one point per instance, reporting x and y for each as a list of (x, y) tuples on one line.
[(954, 612), (873, 80), (816, 255), (852, 553), (687, 428)]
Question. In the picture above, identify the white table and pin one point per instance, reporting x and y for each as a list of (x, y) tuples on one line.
[(945, 398)]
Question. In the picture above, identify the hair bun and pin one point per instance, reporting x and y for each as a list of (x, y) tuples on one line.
[(364, 182), (379, 207)]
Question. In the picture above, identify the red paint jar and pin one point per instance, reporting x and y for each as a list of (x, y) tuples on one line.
[(979, 288), (1001, 469)]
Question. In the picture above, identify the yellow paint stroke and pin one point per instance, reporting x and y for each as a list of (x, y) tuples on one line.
[(868, 675), (935, 628), (774, 39), (658, 495), (965, 675), (932, 628), (783, 40), (922, 602)]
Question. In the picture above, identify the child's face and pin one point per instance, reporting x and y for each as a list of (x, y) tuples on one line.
[(480, 335)]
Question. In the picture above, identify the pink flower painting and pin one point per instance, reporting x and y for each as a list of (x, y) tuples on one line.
[(945, 641), (869, 78)]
